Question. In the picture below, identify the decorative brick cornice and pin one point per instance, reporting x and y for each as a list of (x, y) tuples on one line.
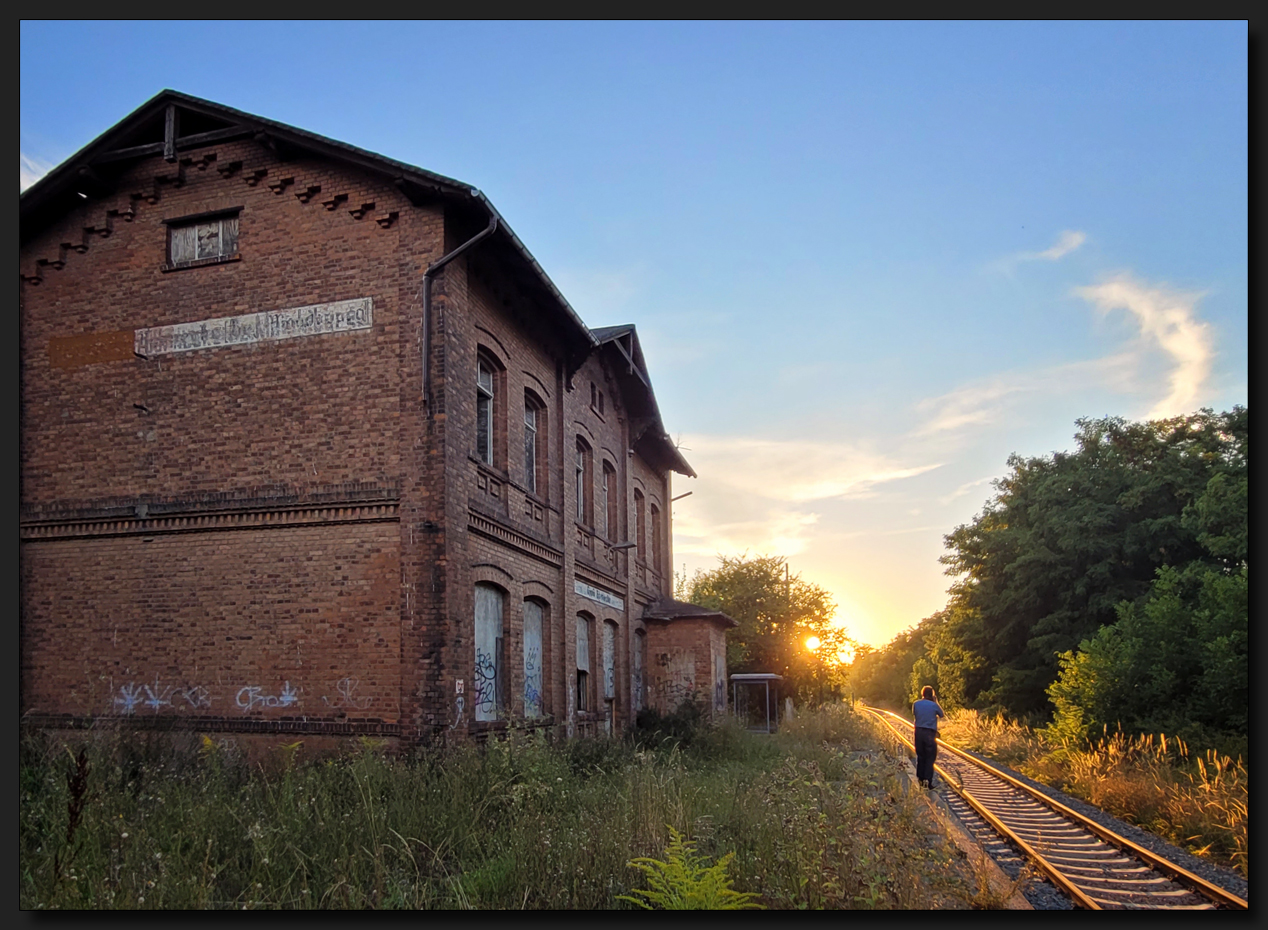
[(509, 537), (217, 514), (600, 579)]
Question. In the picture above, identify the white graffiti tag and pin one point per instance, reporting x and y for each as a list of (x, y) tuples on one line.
[(197, 696), (251, 696), (132, 695), (128, 698), (346, 687)]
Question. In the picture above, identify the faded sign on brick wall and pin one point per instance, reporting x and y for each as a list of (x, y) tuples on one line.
[(598, 594), (338, 317)]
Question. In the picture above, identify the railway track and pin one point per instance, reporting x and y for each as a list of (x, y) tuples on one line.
[(1094, 866)]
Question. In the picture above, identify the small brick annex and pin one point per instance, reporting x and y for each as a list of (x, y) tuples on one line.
[(284, 470)]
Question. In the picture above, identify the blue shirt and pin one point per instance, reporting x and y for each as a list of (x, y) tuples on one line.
[(927, 714)]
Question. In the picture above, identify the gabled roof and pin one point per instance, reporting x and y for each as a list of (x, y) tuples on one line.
[(171, 122), (647, 431)]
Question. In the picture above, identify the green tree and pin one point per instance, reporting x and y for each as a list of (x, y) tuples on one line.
[(1070, 537), (777, 612)]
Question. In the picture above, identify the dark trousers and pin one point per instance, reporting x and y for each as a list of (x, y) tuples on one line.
[(926, 754)]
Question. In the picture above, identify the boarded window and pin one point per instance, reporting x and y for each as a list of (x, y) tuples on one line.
[(640, 653), (490, 688), (532, 659), (203, 241), (609, 661), (583, 664)]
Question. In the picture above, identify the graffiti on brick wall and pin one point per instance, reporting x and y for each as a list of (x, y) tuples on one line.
[(533, 681), (486, 686), (346, 689), (674, 679), (133, 697), (719, 683), (197, 696), (253, 696)]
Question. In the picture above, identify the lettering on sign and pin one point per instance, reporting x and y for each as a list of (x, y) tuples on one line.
[(598, 594), (270, 325)]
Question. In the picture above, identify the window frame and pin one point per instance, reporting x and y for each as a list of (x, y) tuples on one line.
[(194, 221), (485, 398), (583, 653), (640, 526), (536, 464), (482, 681), (583, 475), (490, 409), (611, 502), (658, 531), (543, 638)]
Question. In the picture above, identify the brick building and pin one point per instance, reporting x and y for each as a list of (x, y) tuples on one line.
[(310, 444)]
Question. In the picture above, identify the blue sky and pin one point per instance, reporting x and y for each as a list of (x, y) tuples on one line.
[(867, 261)]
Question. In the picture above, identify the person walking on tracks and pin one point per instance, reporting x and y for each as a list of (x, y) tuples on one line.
[(926, 711)]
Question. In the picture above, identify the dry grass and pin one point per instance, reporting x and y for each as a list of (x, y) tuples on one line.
[(807, 819), (1197, 803)]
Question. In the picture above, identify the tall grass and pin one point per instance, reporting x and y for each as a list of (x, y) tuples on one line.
[(514, 824), (1199, 803)]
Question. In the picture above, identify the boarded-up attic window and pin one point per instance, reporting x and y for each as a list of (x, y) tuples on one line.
[(206, 240)]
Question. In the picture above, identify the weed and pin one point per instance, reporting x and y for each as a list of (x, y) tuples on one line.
[(1150, 780), (683, 881)]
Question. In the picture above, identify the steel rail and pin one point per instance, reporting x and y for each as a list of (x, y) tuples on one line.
[(1165, 866), (998, 826)]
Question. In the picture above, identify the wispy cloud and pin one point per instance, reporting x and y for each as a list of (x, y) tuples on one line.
[(1168, 319), (966, 488), (988, 401), (753, 493), (796, 470), (1067, 242), (31, 169)]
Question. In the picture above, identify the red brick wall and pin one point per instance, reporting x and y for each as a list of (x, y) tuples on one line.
[(199, 620), (319, 448), (231, 433)]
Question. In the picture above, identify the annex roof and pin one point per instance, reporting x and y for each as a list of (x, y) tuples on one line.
[(667, 608)]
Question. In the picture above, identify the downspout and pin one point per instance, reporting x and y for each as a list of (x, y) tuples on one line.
[(432, 270)]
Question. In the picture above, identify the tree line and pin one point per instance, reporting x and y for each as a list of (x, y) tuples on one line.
[(1101, 587)]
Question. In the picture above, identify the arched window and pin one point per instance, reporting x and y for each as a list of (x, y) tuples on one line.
[(583, 663), (490, 669), (608, 506), (534, 617), (640, 525), (638, 660), (609, 660), (490, 437), (484, 412), (534, 444), (656, 537), (582, 483)]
